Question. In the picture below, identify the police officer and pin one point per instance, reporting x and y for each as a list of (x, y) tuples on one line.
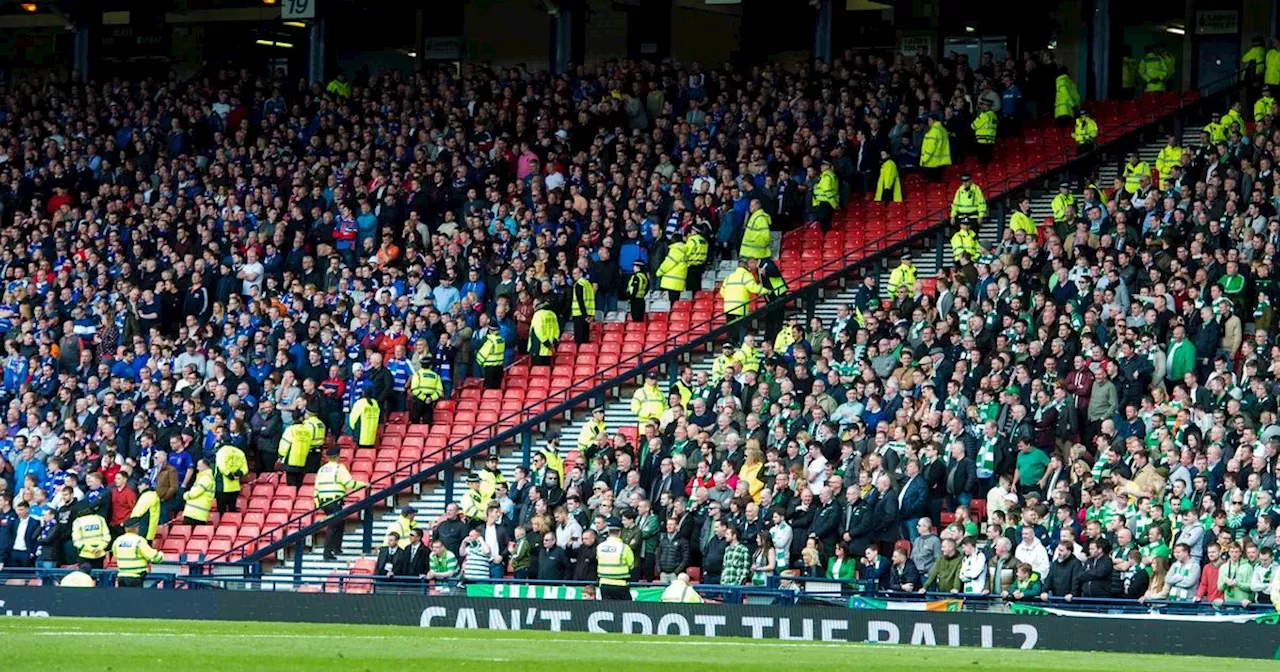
[(333, 484), (697, 246), (231, 466), (425, 389), (648, 403), (363, 420), (544, 335), (968, 203), (614, 561), (985, 127), (637, 288), (775, 287), (584, 306), (147, 510), (591, 431), (199, 497), (1133, 172), (473, 500), (826, 196), (490, 357), (133, 556), (1086, 133), (91, 537), (904, 275), (737, 291)]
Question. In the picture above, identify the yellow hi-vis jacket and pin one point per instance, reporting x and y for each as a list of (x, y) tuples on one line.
[(1086, 130), (317, 432), (1265, 105), (984, 127), (1154, 71), (737, 290), (1168, 157), (614, 561), (827, 190), (589, 433), (544, 333), (1272, 72), (1059, 206), (965, 241), (903, 275), (889, 181), (148, 505), (935, 148), (492, 351), (90, 536), (295, 443), (1133, 174), (755, 238), (1021, 221), (363, 421), (674, 270), (231, 466), (697, 249), (333, 483), (425, 385), (1065, 96), (134, 555), (969, 202), (648, 403), (200, 497)]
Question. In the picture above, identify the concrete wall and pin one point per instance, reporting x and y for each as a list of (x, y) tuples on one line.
[(606, 33), (709, 35), (507, 32)]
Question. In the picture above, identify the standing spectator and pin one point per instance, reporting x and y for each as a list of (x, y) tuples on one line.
[(737, 560)]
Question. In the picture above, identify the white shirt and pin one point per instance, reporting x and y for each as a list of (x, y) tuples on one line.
[(255, 269), (20, 540), (491, 540)]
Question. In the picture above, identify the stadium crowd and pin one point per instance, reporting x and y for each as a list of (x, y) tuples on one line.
[(245, 263), (1085, 410)]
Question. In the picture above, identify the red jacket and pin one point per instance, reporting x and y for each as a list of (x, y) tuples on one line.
[(1209, 590), (122, 501)]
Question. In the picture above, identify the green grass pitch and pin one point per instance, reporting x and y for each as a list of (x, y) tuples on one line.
[(139, 645)]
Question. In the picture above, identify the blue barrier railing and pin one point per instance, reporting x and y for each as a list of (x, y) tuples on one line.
[(521, 424)]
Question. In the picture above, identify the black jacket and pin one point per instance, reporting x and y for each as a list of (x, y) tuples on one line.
[(906, 574), (584, 564), (390, 558), (416, 561), (451, 533), (962, 477), (1095, 577), (1063, 578), (856, 521), (826, 524), (673, 553), (553, 564), (884, 516)]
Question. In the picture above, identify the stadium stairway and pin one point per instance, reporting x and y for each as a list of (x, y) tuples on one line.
[(860, 229)]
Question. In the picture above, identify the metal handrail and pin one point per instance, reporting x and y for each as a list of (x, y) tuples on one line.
[(675, 347)]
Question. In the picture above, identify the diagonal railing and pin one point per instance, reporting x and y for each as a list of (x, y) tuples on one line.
[(295, 531)]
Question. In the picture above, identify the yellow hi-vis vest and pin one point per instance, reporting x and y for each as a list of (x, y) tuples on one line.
[(1086, 130), (1021, 221), (903, 275), (364, 417), (697, 248), (969, 202), (134, 555), (492, 351), (200, 497), (1153, 70), (935, 149), (827, 190), (474, 503), (590, 432), (317, 432), (748, 358), (648, 403), (674, 270), (586, 306), (755, 238), (984, 128), (614, 561), (333, 483), (889, 181), (1059, 206), (1065, 96), (90, 536), (1168, 157), (1265, 105), (967, 242), (737, 290), (295, 443), (544, 333), (403, 526), (1272, 71), (425, 385), (1254, 61), (1133, 174), (230, 460), (148, 505)]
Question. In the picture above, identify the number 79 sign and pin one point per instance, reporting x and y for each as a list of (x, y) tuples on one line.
[(298, 9)]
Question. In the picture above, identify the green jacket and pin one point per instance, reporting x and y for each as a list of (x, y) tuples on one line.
[(1182, 359), (945, 575), (649, 528)]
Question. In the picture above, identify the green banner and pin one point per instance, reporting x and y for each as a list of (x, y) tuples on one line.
[(527, 591)]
